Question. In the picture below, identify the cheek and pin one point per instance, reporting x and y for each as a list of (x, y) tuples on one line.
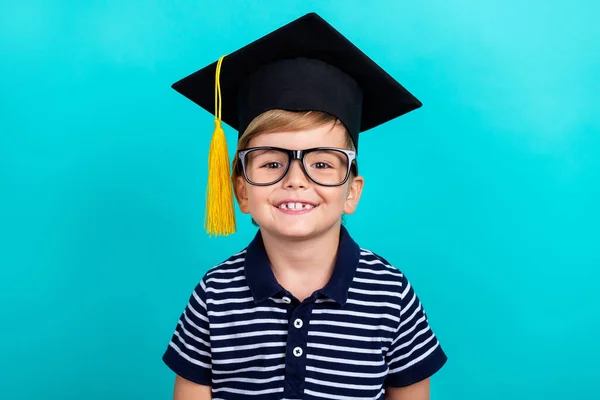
[(335, 195), (257, 195)]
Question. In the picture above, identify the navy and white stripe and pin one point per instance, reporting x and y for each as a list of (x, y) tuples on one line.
[(246, 336)]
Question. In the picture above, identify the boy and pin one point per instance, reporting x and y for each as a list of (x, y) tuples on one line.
[(303, 312)]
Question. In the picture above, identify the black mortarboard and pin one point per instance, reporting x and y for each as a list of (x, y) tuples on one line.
[(305, 65)]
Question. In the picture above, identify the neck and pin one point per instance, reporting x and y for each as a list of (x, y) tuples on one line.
[(303, 266)]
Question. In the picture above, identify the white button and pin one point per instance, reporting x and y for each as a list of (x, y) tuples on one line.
[(297, 351), (286, 300), (298, 323)]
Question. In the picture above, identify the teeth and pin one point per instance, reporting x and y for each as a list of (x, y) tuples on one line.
[(295, 206)]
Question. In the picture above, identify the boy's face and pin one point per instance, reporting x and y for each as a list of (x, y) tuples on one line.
[(263, 202)]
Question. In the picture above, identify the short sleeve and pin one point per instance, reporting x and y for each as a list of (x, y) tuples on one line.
[(415, 353), (188, 353)]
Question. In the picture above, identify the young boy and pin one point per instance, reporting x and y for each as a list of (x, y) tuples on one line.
[(302, 312)]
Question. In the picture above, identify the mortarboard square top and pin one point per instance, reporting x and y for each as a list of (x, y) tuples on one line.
[(306, 65)]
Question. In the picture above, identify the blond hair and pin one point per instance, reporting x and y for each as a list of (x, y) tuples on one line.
[(284, 121)]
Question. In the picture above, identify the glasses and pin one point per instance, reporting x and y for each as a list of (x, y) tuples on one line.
[(325, 166)]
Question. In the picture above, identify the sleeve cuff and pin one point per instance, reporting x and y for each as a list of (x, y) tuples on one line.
[(418, 372), (183, 368)]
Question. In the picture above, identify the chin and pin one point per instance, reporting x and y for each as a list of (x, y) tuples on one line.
[(298, 230), (296, 227), (291, 231)]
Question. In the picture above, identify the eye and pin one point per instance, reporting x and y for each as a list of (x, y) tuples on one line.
[(321, 165), (272, 165)]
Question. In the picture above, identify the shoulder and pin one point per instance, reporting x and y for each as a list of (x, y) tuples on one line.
[(228, 270), (234, 265), (377, 266), (375, 269)]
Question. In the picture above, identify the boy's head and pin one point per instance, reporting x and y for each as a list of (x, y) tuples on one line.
[(304, 65), (296, 197)]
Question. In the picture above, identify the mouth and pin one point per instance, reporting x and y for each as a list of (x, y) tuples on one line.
[(295, 206)]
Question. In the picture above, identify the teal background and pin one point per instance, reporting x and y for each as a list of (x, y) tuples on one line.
[(487, 197)]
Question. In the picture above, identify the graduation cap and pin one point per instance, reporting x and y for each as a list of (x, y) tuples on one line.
[(306, 65)]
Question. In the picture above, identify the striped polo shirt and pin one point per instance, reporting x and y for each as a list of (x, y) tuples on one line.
[(248, 337)]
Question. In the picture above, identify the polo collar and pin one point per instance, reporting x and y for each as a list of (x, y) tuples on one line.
[(263, 284)]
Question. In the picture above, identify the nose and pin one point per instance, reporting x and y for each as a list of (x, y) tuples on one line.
[(295, 177)]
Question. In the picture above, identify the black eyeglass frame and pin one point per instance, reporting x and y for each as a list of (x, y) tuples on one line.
[(296, 155)]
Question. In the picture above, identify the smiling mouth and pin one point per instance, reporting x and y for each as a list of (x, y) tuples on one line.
[(296, 206)]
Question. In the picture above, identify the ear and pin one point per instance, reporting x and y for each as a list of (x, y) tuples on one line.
[(353, 194), (241, 194)]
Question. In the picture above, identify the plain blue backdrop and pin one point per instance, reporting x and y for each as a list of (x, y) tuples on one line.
[(487, 197)]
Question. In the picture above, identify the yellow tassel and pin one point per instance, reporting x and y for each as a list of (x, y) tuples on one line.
[(220, 212)]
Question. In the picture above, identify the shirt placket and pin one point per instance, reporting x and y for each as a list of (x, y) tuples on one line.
[(295, 357)]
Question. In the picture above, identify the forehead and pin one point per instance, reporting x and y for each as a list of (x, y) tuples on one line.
[(322, 136)]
